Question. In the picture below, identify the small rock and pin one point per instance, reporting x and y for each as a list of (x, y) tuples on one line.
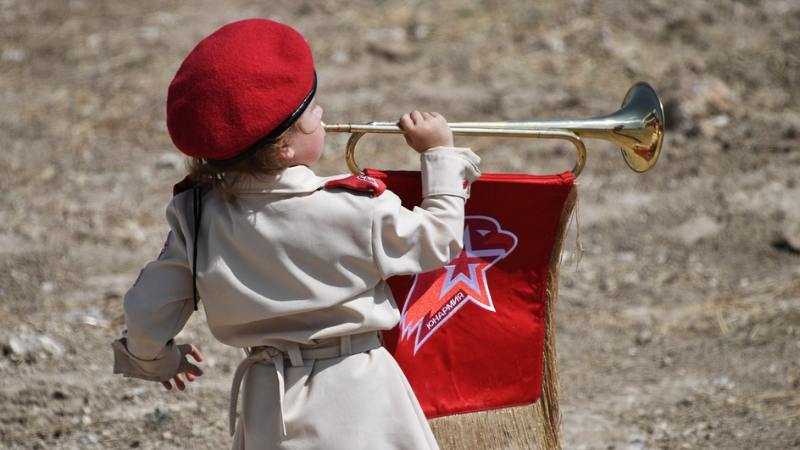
[(48, 173), (89, 439), (723, 382), (50, 345), (634, 439), (158, 417), (631, 278), (90, 316), (714, 125), (697, 228), (169, 161), (59, 395), (149, 34), (47, 287), (13, 55), (644, 337), (421, 31), (790, 235), (708, 96), (133, 394), (131, 233), (340, 57), (552, 42), (391, 43), (29, 345)]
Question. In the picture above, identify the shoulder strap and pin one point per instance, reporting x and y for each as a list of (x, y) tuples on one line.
[(197, 211)]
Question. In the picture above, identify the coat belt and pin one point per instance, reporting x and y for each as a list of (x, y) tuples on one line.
[(325, 349)]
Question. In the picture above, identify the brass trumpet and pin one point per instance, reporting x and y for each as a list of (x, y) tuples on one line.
[(637, 128)]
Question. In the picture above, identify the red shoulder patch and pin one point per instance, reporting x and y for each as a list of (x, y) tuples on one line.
[(358, 183)]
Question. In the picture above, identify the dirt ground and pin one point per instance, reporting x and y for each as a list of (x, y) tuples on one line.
[(678, 323)]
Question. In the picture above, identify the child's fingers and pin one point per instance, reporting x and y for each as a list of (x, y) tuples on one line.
[(427, 115), (189, 368), (438, 116), (167, 385), (416, 116), (196, 355), (405, 122), (179, 383), (190, 376), (189, 349)]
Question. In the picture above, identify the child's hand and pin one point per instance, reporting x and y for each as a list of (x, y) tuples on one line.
[(425, 130), (190, 370)]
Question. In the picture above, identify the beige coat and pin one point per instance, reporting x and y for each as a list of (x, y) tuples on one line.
[(290, 268)]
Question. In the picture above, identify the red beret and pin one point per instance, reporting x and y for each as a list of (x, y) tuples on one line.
[(240, 87)]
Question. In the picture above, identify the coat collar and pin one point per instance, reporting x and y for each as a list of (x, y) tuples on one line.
[(293, 180)]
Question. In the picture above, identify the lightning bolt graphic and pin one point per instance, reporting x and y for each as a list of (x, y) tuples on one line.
[(437, 295)]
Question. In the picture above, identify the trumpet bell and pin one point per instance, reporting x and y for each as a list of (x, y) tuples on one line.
[(640, 143)]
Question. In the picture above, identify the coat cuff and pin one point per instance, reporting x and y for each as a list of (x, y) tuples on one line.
[(163, 367), (448, 171)]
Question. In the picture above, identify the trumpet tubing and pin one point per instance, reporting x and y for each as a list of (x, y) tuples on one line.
[(637, 128)]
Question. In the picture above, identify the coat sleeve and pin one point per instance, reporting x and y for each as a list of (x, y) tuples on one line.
[(429, 236), (156, 309)]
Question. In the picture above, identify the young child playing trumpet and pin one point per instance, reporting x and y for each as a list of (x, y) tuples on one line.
[(289, 265)]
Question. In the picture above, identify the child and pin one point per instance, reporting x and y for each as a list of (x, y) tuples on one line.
[(289, 266)]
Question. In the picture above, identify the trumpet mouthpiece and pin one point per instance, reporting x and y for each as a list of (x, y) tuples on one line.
[(337, 127)]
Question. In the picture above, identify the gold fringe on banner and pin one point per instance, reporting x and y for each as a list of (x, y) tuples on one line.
[(548, 409), (512, 428)]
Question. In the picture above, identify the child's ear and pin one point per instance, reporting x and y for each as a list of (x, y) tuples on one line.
[(286, 153)]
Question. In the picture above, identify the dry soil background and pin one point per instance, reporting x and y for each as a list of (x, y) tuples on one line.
[(679, 327)]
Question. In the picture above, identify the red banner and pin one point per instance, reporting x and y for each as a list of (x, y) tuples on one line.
[(471, 333)]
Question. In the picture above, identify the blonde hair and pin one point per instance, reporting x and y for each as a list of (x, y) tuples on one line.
[(264, 161)]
